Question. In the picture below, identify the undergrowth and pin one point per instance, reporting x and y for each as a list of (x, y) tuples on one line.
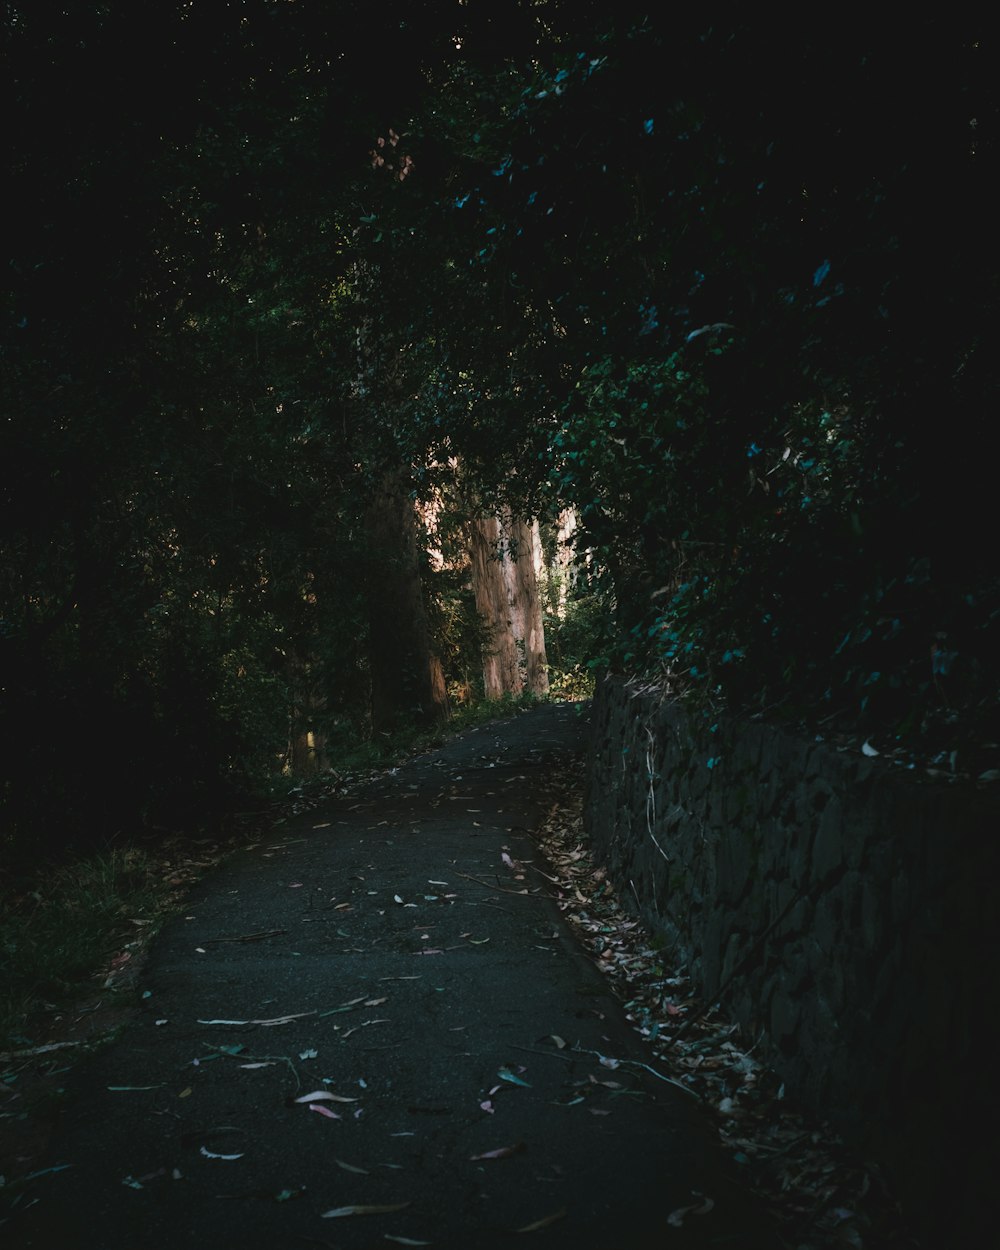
[(58, 925)]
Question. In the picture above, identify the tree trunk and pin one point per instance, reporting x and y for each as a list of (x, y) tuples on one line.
[(407, 683), (523, 558), (501, 674)]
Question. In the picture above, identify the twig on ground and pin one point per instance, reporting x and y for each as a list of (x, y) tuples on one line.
[(248, 937), (499, 888)]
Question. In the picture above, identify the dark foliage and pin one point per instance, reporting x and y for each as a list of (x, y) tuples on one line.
[(725, 290)]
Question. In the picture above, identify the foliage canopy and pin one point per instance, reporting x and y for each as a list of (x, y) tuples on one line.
[(727, 296)]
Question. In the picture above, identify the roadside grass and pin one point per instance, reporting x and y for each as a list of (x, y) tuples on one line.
[(59, 925)]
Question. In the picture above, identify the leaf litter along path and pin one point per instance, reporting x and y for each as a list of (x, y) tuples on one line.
[(821, 1193), (376, 1028)]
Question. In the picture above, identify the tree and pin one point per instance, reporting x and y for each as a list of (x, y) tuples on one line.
[(501, 672), (522, 560), (596, 259)]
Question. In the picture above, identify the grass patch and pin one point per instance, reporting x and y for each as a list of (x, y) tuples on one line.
[(59, 926)]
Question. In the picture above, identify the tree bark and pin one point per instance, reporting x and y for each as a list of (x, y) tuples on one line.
[(501, 673), (522, 562)]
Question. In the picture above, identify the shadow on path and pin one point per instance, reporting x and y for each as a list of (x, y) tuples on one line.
[(380, 949)]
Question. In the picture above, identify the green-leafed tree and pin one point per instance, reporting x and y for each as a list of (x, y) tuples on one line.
[(703, 281), (726, 295)]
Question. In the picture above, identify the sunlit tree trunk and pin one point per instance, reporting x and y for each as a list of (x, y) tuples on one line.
[(521, 565), (566, 564), (501, 672)]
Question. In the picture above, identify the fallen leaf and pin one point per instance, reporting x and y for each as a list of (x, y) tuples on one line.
[(505, 1074), (318, 1107), (33, 1176), (324, 1095), (338, 1212), (349, 1167), (186, 1093), (559, 1041), (407, 1241), (250, 1066), (210, 1154), (309, 1054), (503, 1152), (266, 1023), (375, 1002), (543, 1223)]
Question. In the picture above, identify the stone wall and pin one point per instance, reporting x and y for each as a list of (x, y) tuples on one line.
[(841, 909)]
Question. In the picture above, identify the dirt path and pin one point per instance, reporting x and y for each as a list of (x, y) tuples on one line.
[(396, 957)]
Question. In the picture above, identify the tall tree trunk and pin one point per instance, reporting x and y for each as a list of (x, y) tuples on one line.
[(407, 682), (501, 673), (522, 563), (566, 567)]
